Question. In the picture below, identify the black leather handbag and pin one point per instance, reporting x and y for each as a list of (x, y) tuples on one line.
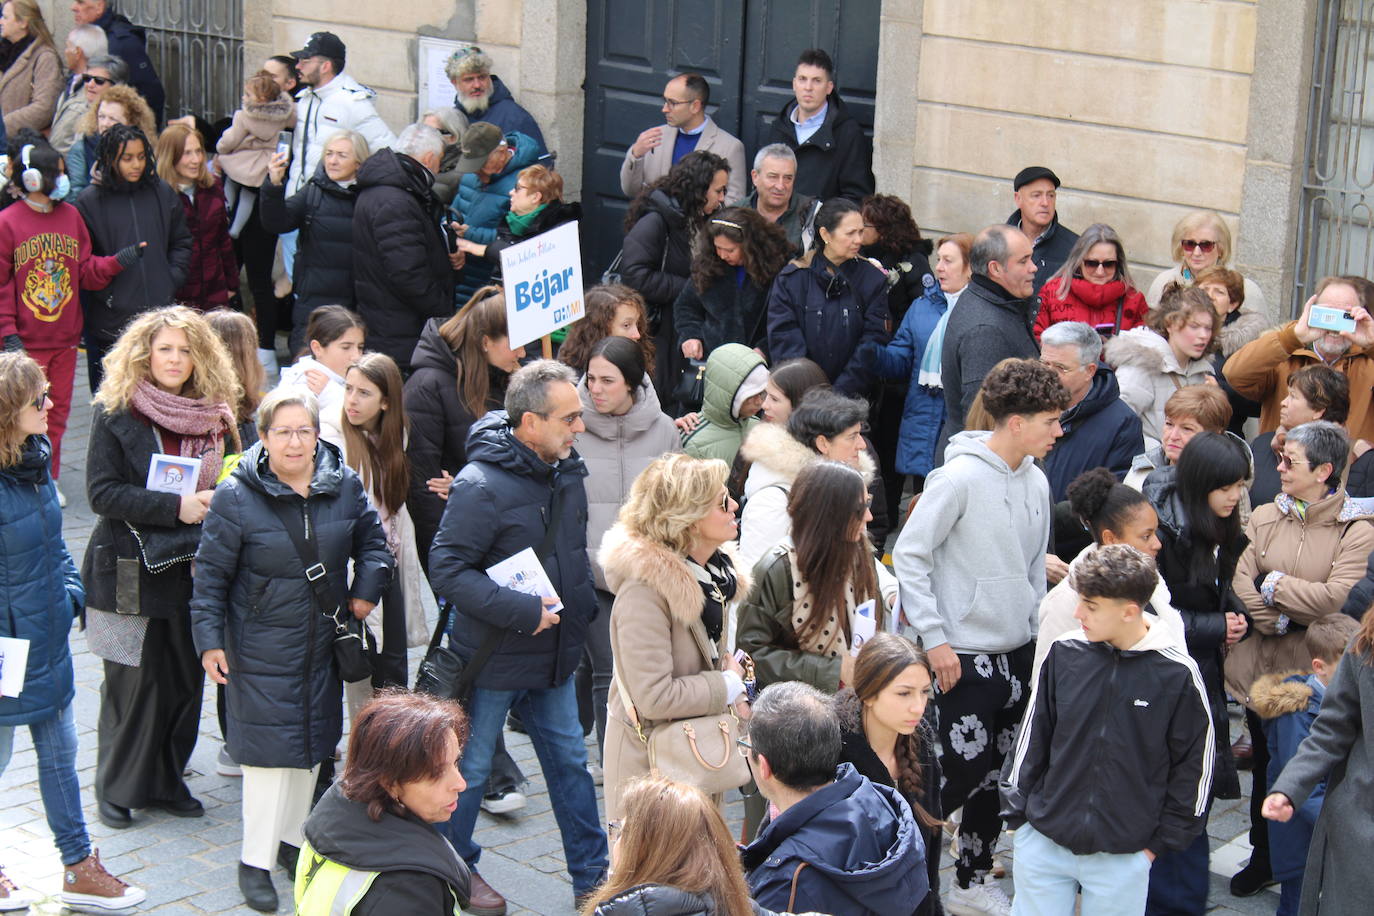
[(690, 389), (443, 672)]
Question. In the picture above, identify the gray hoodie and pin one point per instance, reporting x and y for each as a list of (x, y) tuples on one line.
[(971, 558)]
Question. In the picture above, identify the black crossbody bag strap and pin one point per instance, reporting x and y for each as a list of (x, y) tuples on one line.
[(489, 643), (315, 572)]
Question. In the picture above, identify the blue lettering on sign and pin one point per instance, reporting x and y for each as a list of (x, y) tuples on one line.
[(543, 289)]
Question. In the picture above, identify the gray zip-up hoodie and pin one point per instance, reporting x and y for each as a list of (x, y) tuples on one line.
[(971, 559)]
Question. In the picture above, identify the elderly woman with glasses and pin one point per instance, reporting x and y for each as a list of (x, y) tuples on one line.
[(668, 560), (261, 631), (1094, 286), (1201, 240), (1307, 549)]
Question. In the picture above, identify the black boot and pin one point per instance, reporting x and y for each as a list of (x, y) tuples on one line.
[(112, 815), (256, 886), (287, 856), (1253, 878)]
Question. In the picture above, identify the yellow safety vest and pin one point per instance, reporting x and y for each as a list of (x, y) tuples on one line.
[(326, 888)]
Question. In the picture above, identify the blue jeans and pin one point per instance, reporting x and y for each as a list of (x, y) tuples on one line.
[(1290, 895), (1048, 876), (1180, 879), (54, 741), (550, 717)]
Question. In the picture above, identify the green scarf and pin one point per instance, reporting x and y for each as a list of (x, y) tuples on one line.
[(520, 224)]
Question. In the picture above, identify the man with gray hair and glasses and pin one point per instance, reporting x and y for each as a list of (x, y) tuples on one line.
[(775, 196), (837, 843), (92, 74), (993, 321), (522, 492)]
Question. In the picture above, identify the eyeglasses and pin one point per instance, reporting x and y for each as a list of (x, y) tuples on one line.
[(1190, 244), (745, 748), (1059, 367), (1286, 462), (524, 187), (98, 80), (673, 103), (42, 399), (1109, 264), (569, 420), (287, 433), (725, 501)]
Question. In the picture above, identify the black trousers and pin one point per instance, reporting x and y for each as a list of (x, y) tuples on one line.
[(256, 248), (976, 723), (149, 718), (1259, 787)]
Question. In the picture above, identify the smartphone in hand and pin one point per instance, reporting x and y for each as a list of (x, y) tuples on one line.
[(284, 142)]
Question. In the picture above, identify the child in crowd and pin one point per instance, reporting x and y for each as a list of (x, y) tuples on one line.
[(1291, 702), (335, 338), (1122, 713), (51, 259)]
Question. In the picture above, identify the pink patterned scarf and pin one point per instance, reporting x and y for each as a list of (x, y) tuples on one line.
[(200, 424)]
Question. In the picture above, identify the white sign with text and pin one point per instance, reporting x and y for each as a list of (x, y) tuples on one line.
[(543, 284)]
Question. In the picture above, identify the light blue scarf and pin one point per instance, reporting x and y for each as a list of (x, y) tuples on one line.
[(929, 374)]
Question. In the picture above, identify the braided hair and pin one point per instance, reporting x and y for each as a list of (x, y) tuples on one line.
[(107, 155), (882, 659)]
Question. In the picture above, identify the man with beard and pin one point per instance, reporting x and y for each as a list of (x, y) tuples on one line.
[(484, 97), (332, 101)]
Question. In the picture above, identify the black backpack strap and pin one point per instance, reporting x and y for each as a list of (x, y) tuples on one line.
[(1120, 309)]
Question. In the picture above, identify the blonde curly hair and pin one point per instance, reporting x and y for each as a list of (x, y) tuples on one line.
[(140, 115), (212, 376), (670, 496)]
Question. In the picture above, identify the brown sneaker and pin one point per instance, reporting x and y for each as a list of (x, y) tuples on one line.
[(484, 901), (88, 884), (11, 897)]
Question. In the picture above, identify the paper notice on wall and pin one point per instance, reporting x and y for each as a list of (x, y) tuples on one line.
[(14, 660), (524, 573), (865, 624)]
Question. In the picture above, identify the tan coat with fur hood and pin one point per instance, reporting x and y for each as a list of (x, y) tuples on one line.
[(656, 600), (246, 148)]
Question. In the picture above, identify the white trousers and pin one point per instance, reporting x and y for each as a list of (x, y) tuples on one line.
[(276, 801)]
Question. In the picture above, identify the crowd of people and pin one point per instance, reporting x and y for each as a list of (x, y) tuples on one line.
[(893, 548)]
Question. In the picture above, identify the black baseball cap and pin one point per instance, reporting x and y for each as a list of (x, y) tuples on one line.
[(1033, 173), (321, 44)]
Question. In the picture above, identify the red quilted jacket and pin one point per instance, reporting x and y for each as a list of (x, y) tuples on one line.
[(214, 273)]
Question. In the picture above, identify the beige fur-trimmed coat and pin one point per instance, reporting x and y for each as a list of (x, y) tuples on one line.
[(656, 600)]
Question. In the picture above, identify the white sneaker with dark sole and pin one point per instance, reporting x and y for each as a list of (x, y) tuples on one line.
[(226, 765), (503, 802)]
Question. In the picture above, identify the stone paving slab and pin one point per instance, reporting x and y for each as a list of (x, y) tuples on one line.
[(189, 866)]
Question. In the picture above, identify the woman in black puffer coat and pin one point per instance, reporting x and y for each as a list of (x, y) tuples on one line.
[(660, 227), (126, 205), (323, 212), (260, 630)]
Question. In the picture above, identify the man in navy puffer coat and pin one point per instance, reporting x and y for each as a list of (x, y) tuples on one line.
[(841, 844), (522, 488)]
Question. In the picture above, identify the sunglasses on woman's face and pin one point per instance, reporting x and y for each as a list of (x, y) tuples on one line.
[(1190, 244), (1109, 264), (98, 80), (42, 399)]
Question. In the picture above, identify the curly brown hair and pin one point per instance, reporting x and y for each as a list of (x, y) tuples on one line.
[(1022, 387), (601, 303), (765, 245), (898, 233), (687, 183)]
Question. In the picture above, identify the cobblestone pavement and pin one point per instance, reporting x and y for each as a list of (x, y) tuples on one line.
[(188, 866)]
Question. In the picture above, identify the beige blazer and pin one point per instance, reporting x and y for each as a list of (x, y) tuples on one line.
[(636, 173)]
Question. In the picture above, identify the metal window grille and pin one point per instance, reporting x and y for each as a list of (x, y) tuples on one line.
[(1336, 217), (197, 48)]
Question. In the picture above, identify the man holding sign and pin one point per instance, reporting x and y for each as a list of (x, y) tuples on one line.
[(522, 492)]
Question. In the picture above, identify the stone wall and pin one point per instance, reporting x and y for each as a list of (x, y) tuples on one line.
[(1144, 109)]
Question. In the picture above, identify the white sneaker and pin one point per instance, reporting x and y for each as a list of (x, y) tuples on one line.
[(226, 765), (61, 498), (503, 802), (12, 897), (598, 775), (977, 900)]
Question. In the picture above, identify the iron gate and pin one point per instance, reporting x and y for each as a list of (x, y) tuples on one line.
[(1336, 217), (197, 48)]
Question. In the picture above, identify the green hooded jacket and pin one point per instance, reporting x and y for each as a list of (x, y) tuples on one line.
[(721, 433)]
